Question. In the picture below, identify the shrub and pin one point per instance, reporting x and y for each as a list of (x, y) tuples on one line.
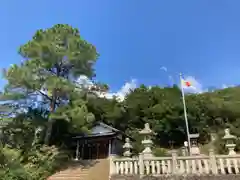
[(36, 164), (11, 167), (44, 161), (160, 152)]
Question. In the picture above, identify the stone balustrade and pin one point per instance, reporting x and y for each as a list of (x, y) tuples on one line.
[(146, 164), (176, 165)]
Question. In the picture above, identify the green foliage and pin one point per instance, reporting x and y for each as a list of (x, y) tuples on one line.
[(162, 109), (160, 152), (43, 161), (37, 164), (75, 112), (22, 157), (10, 165)]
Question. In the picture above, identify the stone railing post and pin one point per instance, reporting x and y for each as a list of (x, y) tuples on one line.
[(174, 162), (141, 164), (213, 162), (184, 151), (111, 166)]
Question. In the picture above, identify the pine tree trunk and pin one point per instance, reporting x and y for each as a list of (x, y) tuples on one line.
[(50, 123), (48, 132)]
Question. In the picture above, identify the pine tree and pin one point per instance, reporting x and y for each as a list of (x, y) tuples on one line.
[(52, 61)]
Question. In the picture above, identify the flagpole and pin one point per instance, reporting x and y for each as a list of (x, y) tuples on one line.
[(185, 115)]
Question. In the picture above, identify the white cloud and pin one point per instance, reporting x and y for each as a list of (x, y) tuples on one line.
[(124, 90), (120, 95), (127, 87), (224, 86), (84, 81), (164, 68), (196, 86)]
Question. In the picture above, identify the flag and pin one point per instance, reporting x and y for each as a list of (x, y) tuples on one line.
[(187, 84)]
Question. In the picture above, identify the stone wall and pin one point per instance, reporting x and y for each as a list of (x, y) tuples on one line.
[(210, 177)]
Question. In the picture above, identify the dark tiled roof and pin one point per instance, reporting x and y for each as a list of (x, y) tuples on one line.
[(108, 127), (114, 132), (95, 135)]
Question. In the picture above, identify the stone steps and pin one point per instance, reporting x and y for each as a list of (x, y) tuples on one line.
[(100, 171), (84, 170)]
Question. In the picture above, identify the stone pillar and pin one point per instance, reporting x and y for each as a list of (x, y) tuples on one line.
[(213, 163), (230, 142), (174, 162), (109, 147), (141, 165), (127, 148), (112, 166), (82, 150), (77, 151), (147, 142), (184, 151)]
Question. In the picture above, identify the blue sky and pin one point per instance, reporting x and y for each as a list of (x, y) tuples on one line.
[(135, 38)]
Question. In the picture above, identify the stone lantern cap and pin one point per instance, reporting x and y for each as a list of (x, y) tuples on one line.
[(127, 144), (146, 130), (228, 136)]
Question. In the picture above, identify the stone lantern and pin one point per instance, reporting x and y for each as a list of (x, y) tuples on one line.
[(230, 142), (127, 148), (194, 149), (147, 142)]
